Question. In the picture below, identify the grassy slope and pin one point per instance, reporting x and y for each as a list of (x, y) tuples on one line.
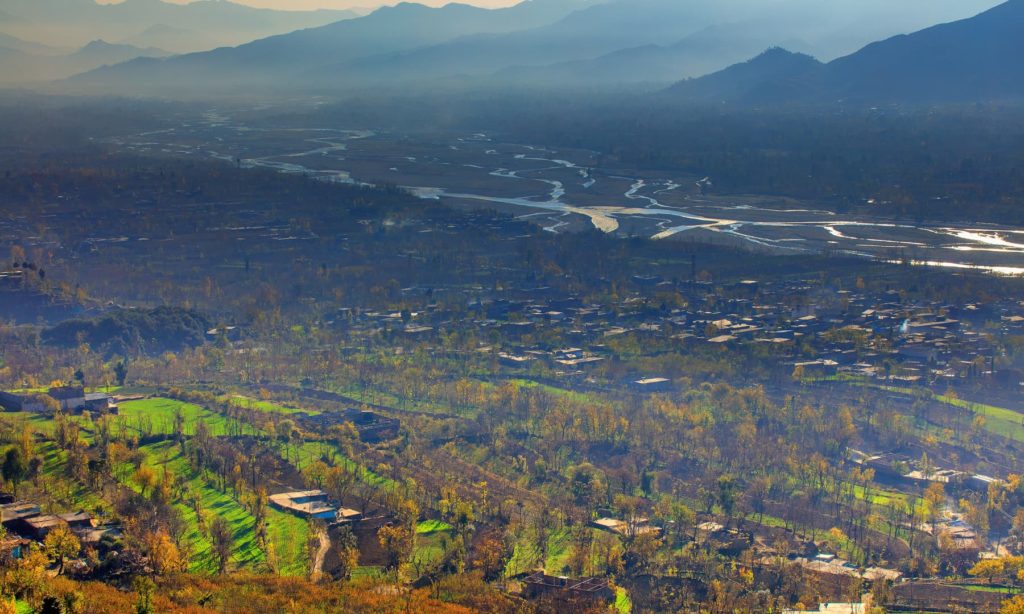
[(159, 413), (288, 533), (267, 406)]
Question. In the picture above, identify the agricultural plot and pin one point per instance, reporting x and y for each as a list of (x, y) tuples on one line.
[(289, 534)]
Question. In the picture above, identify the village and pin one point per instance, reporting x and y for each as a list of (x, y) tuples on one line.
[(882, 341)]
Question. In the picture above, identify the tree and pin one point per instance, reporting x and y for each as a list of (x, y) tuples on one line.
[(397, 543), (163, 553), (121, 372), (222, 539), (15, 468), (935, 495), (491, 556), (144, 588), (727, 495), (61, 544), (146, 478), (1013, 606), (348, 553)]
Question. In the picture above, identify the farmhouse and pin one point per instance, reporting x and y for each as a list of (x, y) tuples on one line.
[(652, 384), (639, 526), (371, 426), (312, 504), (595, 590), (71, 399)]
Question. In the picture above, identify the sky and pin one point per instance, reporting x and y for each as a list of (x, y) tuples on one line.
[(307, 5)]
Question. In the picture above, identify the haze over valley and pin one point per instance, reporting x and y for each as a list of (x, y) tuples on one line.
[(540, 307)]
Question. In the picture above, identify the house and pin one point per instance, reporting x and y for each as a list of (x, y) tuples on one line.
[(11, 548), (38, 527), (652, 384), (69, 397), (817, 368), (371, 426), (72, 399), (78, 520), (310, 504), (569, 354), (514, 360), (560, 588), (639, 526), (980, 483)]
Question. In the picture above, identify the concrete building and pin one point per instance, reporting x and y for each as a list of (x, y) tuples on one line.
[(313, 504)]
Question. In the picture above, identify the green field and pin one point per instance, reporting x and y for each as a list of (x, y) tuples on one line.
[(623, 604), (432, 526), (289, 534), (156, 416), (998, 420), (431, 538), (266, 406)]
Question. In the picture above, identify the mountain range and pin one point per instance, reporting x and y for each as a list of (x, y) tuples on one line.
[(617, 43), (23, 63), (975, 59), (178, 28)]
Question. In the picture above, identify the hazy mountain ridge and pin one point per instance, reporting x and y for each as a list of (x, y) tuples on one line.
[(960, 61), (740, 81), (198, 26), (280, 61), (540, 42), (21, 66)]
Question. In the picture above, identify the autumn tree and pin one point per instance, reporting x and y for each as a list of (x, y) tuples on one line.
[(397, 543), (935, 496), (1013, 606), (491, 555), (222, 539), (61, 544), (164, 555), (146, 478), (348, 553)]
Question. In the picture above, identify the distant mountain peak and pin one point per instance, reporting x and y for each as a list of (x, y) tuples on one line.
[(772, 66)]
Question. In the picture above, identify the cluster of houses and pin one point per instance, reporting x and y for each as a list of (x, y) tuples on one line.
[(823, 332), (25, 523), (70, 399), (901, 470)]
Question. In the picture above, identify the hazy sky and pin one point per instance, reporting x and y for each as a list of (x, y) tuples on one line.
[(301, 5)]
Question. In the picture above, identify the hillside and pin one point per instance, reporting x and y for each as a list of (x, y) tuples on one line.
[(969, 60), (542, 42), (282, 60), (29, 64), (741, 81)]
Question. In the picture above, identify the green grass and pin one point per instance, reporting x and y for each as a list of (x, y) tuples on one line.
[(432, 526), (288, 533), (309, 452), (21, 607), (998, 420), (156, 416), (559, 551), (430, 545), (623, 604), (389, 399), (267, 406), (985, 588)]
